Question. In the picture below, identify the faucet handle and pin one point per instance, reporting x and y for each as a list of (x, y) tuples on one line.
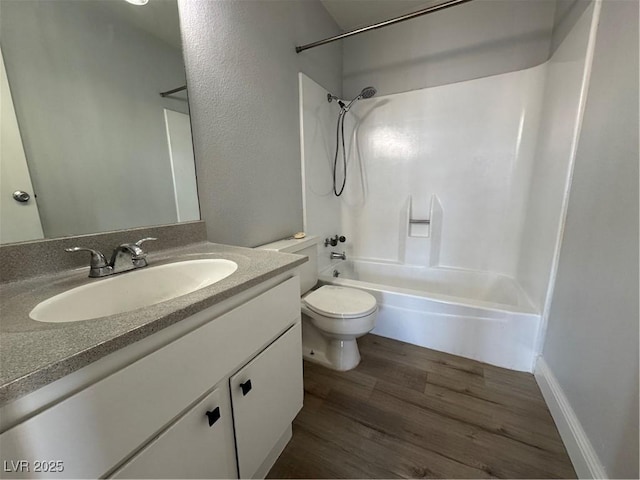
[(97, 258), (98, 266), (141, 241)]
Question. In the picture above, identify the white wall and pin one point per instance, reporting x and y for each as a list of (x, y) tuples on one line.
[(471, 144), (468, 41), (564, 97), (242, 71), (592, 339), (19, 222), (567, 14), (86, 89), (322, 209)]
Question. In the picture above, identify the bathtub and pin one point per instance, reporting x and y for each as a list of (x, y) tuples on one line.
[(479, 315)]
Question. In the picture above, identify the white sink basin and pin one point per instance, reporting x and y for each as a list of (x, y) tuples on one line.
[(131, 290)]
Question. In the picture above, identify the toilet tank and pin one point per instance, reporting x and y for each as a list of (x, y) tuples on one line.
[(308, 246)]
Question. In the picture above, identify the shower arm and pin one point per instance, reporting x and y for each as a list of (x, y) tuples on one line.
[(392, 21), (367, 92), (346, 109)]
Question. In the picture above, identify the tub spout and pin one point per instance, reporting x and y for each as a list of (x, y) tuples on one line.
[(338, 256)]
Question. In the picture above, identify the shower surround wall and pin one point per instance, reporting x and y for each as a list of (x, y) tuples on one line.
[(465, 148), (471, 148), (567, 80)]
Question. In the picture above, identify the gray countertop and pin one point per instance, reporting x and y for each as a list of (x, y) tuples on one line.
[(34, 354)]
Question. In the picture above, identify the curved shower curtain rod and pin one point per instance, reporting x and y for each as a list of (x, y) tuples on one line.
[(392, 21)]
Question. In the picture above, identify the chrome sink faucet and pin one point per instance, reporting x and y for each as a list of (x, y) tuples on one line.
[(129, 256), (125, 257)]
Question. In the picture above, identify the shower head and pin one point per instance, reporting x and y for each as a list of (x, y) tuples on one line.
[(367, 92)]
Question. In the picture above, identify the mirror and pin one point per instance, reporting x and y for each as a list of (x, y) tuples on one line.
[(95, 123)]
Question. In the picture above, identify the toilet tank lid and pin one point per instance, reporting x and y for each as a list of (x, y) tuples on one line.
[(290, 245)]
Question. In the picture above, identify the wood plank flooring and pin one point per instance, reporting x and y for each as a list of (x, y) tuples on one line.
[(410, 412)]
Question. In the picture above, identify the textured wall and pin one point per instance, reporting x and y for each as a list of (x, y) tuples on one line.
[(243, 88), (85, 85), (592, 338), (477, 39)]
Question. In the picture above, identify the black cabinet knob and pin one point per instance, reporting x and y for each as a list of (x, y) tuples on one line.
[(246, 387), (213, 416)]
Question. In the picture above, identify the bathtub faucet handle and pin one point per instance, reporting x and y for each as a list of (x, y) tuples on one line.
[(333, 241)]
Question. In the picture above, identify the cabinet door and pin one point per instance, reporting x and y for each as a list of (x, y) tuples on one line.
[(266, 395), (198, 445)]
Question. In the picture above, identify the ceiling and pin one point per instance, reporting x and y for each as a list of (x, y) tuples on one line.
[(350, 14)]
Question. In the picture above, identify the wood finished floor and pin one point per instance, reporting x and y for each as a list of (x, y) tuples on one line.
[(410, 412)]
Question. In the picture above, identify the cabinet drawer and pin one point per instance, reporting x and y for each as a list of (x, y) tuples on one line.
[(96, 429), (193, 447), (266, 395)]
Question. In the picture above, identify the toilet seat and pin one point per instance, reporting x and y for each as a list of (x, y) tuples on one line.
[(340, 302)]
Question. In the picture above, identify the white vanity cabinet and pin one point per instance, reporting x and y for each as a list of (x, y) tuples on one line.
[(198, 445), (266, 395), (149, 419)]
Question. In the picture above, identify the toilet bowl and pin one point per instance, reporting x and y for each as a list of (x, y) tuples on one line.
[(333, 317)]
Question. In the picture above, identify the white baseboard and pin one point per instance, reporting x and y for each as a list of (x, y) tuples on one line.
[(583, 457)]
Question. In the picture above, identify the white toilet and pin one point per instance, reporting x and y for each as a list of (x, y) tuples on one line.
[(332, 316)]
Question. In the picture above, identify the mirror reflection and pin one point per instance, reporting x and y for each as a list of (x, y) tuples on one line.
[(95, 121)]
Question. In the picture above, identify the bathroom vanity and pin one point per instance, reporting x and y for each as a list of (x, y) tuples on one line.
[(209, 392)]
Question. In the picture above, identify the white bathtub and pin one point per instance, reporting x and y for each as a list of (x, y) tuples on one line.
[(477, 315)]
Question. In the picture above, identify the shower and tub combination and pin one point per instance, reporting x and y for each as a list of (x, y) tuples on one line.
[(452, 195), (433, 227)]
